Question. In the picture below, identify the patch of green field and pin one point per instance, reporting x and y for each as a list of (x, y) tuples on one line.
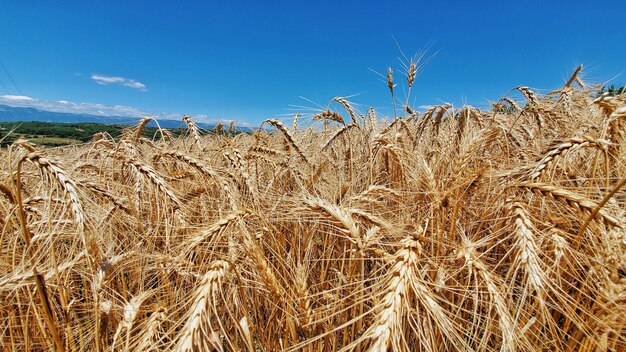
[(54, 141), (58, 134)]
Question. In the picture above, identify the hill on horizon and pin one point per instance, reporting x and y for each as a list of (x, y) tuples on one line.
[(28, 114)]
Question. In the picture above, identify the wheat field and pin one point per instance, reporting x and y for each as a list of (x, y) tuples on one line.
[(444, 230)]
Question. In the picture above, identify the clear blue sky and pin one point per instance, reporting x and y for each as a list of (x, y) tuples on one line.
[(252, 60)]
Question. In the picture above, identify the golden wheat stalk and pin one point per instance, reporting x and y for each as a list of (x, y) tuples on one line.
[(210, 232), (198, 333), (268, 151), (340, 132), (329, 115), (403, 287), (349, 109), (203, 169), (572, 199), (279, 125), (140, 127), (193, 129), (50, 167), (575, 77), (148, 172), (528, 255), (119, 203), (149, 339), (238, 163), (371, 118), (475, 264), (560, 148), (131, 311), (528, 94), (386, 329), (514, 105)]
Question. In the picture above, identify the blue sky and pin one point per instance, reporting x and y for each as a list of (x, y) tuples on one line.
[(252, 60)]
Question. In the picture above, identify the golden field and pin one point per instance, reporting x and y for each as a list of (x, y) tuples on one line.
[(450, 229)]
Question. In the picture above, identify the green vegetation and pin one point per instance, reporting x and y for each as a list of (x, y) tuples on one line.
[(613, 90), (53, 134)]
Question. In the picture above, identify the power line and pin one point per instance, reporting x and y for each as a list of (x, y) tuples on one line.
[(5, 88), (11, 78)]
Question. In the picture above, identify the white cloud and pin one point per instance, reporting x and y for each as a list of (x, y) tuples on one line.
[(425, 107), (205, 119), (16, 97), (71, 107), (105, 110), (127, 82)]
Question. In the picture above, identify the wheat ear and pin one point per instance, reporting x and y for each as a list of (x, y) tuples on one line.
[(349, 109), (105, 194), (512, 103), (193, 129), (198, 334), (474, 263), (149, 338), (572, 199), (154, 177), (68, 185), (140, 127), (329, 115), (371, 118), (211, 231), (279, 125), (386, 328), (574, 77), (528, 250), (529, 94), (340, 132), (564, 146), (199, 166), (403, 284), (131, 311)]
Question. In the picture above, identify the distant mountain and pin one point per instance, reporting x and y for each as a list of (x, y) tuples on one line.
[(13, 113)]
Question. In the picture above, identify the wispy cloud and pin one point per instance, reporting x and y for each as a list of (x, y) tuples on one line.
[(16, 97), (127, 82)]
